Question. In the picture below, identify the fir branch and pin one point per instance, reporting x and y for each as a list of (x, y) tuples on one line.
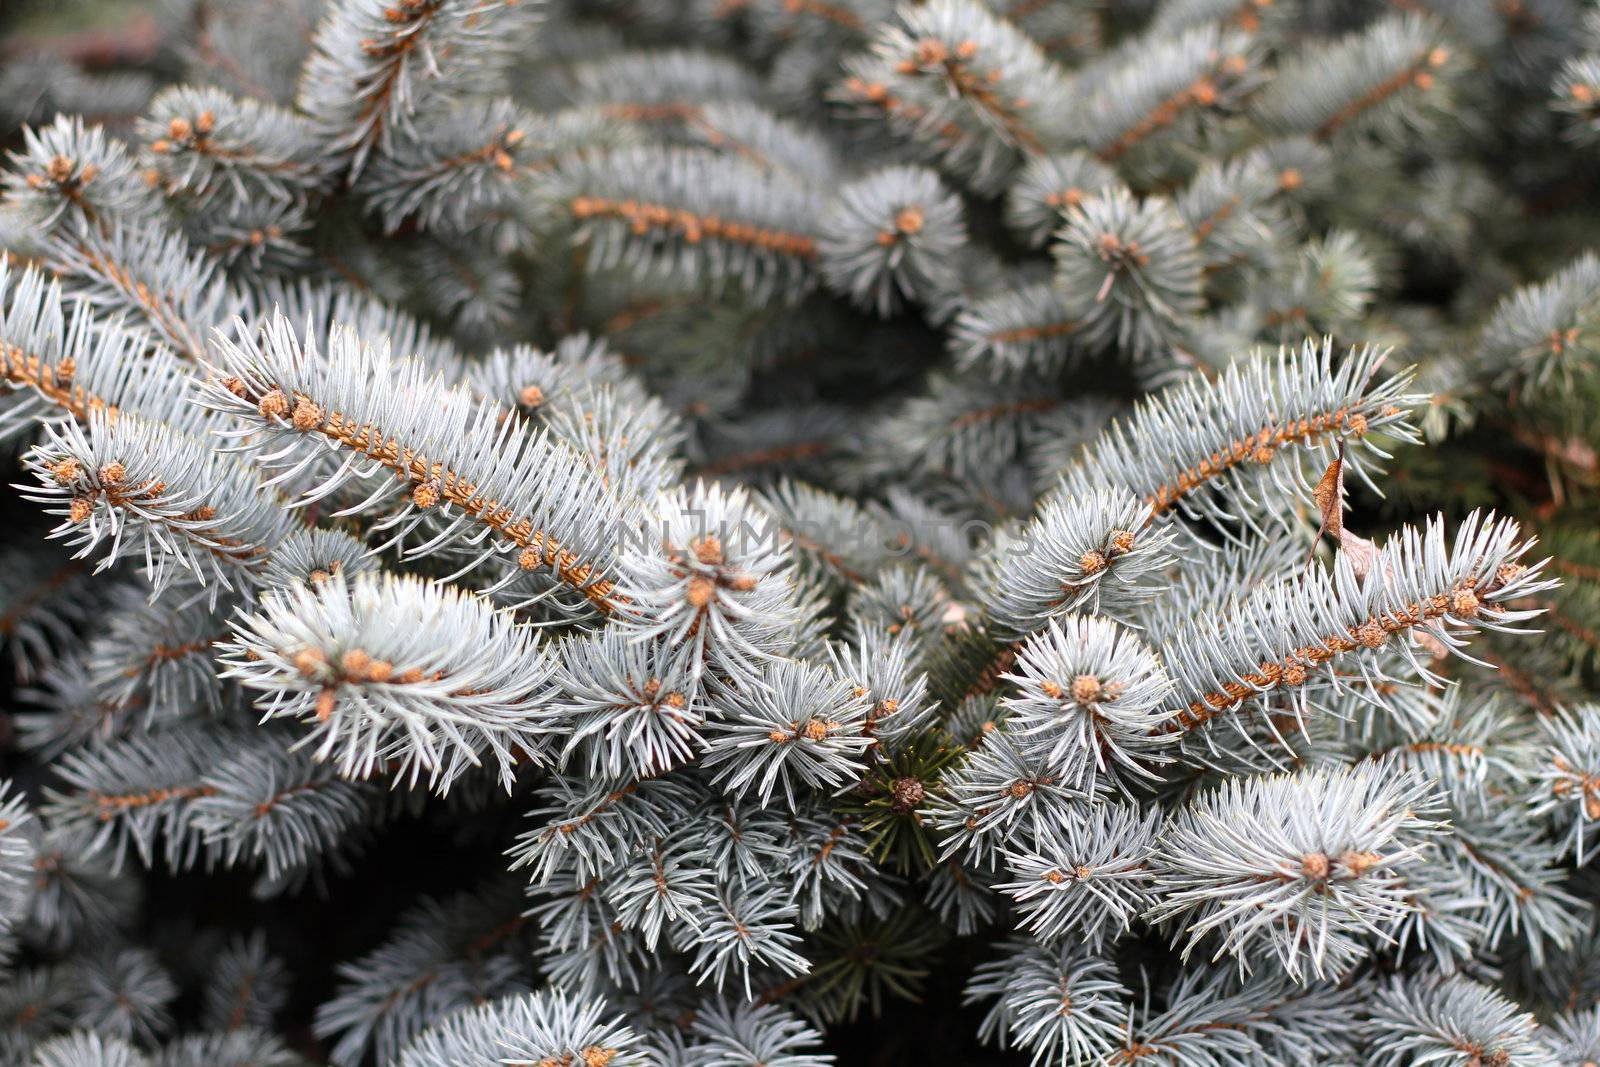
[(1308, 869), (1063, 1005), (74, 365), (376, 68), (139, 794), (209, 149), (892, 236), (1047, 187), (711, 573), (1098, 551), (148, 274), (527, 1030), (490, 478), (394, 674), (159, 495), (1567, 778), (1367, 80), (1212, 1019), (1206, 448), (1282, 636), (70, 179), (968, 88), (699, 217), (1451, 1018), (442, 957), (1089, 699), (1130, 271), (1161, 85)]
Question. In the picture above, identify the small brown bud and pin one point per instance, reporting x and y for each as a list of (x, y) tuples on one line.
[(325, 702), (1464, 603), (1020, 789), (595, 1056), (907, 794), (306, 416), (1371, 634), (273, 405), (1086, 689), (701, 590), (82, 507), (708, 550), (1290, 179), (1314, 865), (59, 169), (179, 129), (425, 495), (1358, 424), (675, 700), (1092, 561), (113, 473), (308, 661), (930, 50), (909, 220), (528, 559), (66, 471), (1051, 689), (355, 662), (1122, 542), (234, 385), (318, 577), (205, 122), (1359, 863), (531, 396), (1294, 674), (814, 730), (380, 671)]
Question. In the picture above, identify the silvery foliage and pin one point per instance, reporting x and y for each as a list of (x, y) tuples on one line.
[(375, 562)]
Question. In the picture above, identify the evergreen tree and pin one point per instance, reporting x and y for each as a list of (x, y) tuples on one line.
[(656, 532)]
